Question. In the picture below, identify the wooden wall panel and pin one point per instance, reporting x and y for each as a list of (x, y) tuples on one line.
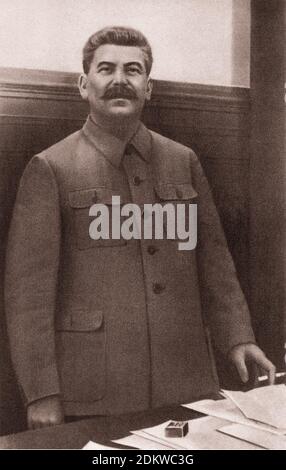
[(38, 108), (268, 176)]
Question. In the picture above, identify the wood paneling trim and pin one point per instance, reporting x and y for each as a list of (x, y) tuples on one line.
[(42, 85)]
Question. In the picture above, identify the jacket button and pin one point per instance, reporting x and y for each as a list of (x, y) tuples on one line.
[(179, 193), (152, 249), (94, 199), (136, 180), (158, 288)]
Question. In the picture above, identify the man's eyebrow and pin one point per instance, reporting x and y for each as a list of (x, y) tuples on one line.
[(127, 64), (138, 64), (105, 62)]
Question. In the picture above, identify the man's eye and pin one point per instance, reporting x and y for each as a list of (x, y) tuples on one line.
[(104, 69), (133, 70)]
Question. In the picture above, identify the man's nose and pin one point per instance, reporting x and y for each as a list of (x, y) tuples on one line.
[(119, 76)]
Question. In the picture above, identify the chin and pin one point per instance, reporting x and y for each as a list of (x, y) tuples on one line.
[(122, 111)]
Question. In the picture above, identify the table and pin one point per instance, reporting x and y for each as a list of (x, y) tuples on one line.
[(100, 429)]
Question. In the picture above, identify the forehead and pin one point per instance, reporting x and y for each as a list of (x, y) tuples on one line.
[(118, 54)]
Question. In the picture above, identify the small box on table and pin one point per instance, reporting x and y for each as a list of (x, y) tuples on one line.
[(177, 429)]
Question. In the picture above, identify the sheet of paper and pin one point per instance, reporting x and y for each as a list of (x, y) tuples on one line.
[(265, 404), (261, 438), (142, 443), (91, 445), (226, 409), (202, 435), (156, 440)]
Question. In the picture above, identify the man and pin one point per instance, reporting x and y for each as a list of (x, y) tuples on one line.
[(112, 325)]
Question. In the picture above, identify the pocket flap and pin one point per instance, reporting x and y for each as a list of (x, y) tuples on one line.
[(178, 191), (83, 320), (87, 197)]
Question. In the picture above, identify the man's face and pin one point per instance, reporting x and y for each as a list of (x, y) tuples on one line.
[(116, 84)]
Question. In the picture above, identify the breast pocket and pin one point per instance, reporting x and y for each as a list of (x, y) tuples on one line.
[(83, 224), (178, 202)]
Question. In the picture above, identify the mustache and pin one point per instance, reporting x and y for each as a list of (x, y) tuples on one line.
[(119, 91)]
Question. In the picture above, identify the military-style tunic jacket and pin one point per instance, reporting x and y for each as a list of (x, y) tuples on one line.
[(116, 325)]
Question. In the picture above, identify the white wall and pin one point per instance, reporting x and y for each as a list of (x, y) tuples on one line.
[(199, 41)]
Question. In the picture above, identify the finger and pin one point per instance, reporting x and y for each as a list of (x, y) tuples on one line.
[(53, 421), (253, 374), (30, 424), (271, 377), (41, 423), (37, 424), (34, 425), (56, 419), (271, 373), (30, 421), (241, 368), (268, 367)]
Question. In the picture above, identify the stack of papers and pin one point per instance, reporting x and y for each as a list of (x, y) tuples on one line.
[(259, 415), (252, 420), (266, 405), (264, 439), (202, 435)]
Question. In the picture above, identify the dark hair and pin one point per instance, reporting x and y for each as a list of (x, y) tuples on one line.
[(120, 36)]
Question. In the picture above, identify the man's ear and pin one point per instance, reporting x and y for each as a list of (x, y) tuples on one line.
[(82, 86), (149, 89)]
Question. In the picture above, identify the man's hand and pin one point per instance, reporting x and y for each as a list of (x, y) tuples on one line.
[(249, 352), (45, 412)]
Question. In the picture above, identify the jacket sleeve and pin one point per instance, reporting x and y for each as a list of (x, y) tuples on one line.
[(224, 306), (31, 279)]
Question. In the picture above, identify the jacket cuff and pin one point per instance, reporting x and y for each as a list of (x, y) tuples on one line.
[(45, 384)]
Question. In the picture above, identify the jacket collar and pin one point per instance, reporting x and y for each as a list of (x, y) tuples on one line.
[(112, 147)]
